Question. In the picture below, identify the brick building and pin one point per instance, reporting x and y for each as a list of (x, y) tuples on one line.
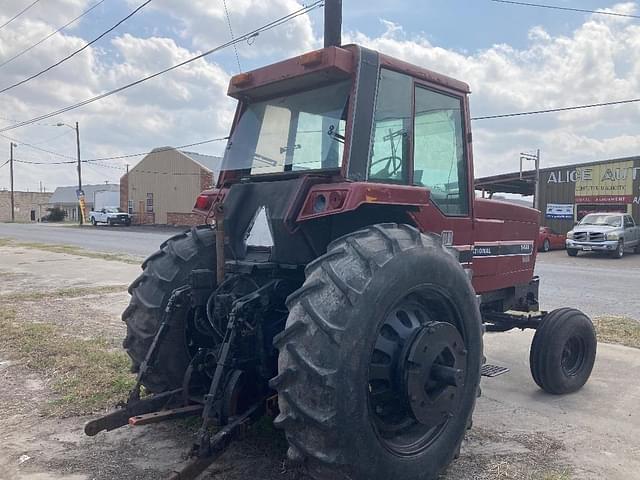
[(28, 206), (163, 187)]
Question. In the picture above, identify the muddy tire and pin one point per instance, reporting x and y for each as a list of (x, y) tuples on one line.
[(339, 342), (563, 351), (163, 272)]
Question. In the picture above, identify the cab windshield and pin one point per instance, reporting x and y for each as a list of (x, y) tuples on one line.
[(603, 220), (303, 131)]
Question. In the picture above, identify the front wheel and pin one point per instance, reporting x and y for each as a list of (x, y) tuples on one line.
[(572, 252), (563, 351), (380, 360), (619, 251), (93, 222), (546, 245)]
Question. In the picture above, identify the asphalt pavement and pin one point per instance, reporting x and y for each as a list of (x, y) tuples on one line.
[(593, 283), (596, 284), (136, 241)]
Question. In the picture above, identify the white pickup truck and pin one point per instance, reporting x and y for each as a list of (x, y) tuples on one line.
[(110, 216)]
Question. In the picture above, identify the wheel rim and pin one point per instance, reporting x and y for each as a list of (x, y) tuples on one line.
[(573, 356), (546, 246), (416, 374), (621, 249)]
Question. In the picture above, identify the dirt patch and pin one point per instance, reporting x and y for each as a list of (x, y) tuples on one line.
[(85, 376), (619, 330)]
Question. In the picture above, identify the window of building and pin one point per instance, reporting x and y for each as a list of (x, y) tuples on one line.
[(392, 123), (130, 206), (149, 202), (438, 150)]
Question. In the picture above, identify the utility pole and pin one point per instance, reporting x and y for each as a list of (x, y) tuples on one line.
[(79, 171), (535, 158), (13, 210)]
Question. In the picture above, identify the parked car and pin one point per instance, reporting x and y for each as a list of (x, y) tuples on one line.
[(110, 216), (612, 233), (550, 240)]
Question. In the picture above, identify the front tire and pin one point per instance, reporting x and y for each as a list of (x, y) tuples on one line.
[(367, 305), (546, 245), (572, 252), (93, 222), (619, 251), (563, 351), (163, 272)]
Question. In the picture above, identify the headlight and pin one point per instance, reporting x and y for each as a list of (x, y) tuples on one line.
[(613, 236), (570, 234)]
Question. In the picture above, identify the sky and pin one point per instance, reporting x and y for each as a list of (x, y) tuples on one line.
[(515, 58)]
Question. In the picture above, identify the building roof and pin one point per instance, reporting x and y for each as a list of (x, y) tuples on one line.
[(68, 194), (210, 162), (525, 183)]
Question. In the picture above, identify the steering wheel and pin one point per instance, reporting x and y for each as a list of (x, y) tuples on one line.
[(387, 172)]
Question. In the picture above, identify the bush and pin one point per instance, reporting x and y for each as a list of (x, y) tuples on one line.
[(56, 214)]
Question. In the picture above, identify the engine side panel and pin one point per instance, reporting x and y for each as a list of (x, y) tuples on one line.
[(504, 251)]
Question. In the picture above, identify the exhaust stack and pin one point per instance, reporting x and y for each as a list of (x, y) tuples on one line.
[(333, 23)]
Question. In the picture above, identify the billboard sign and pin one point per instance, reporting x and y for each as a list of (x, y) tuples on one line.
[(560, 211)]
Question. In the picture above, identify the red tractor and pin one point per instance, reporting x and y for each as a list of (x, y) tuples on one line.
[(344, 279)]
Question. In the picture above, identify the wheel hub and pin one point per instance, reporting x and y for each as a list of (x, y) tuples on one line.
[(416, 376), (433, 372)]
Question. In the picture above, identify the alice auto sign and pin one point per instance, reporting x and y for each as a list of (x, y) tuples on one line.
[(606, 183)]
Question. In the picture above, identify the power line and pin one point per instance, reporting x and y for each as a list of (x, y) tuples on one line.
[(556, 110), (242, 38), (73, 54), (50, 35), (44, 150), (568, 9), (5, 163), (118, 157), (18, 14), (235, 48)]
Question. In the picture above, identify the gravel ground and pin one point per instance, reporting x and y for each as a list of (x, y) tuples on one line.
[(506, 442)]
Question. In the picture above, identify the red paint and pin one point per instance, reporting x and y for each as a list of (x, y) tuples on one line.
[(556, 240)]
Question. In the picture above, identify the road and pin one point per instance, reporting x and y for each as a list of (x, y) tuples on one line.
[(595, 284), (137, 241)]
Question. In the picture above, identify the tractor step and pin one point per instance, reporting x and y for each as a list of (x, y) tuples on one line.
[(491, 371)]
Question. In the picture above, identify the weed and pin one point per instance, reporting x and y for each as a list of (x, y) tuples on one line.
[(87, 375)]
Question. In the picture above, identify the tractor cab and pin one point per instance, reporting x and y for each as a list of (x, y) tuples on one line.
[(340, 130), (356, 114)]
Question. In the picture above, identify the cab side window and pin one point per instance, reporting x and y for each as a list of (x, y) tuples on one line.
[(439, 155), (628, 222), (389, 154)]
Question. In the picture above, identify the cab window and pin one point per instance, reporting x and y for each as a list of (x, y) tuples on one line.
[(439, 156), (389, 155)]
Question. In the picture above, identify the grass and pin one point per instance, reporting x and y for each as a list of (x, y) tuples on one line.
[(620, 330), (86, 375), (62, 293), (70, 250)]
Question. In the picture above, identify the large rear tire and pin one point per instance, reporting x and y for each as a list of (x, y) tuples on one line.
[(163, 272), (374, 296)]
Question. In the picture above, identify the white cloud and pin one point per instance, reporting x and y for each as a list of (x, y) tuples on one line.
[(203, 23), (598, 62)]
